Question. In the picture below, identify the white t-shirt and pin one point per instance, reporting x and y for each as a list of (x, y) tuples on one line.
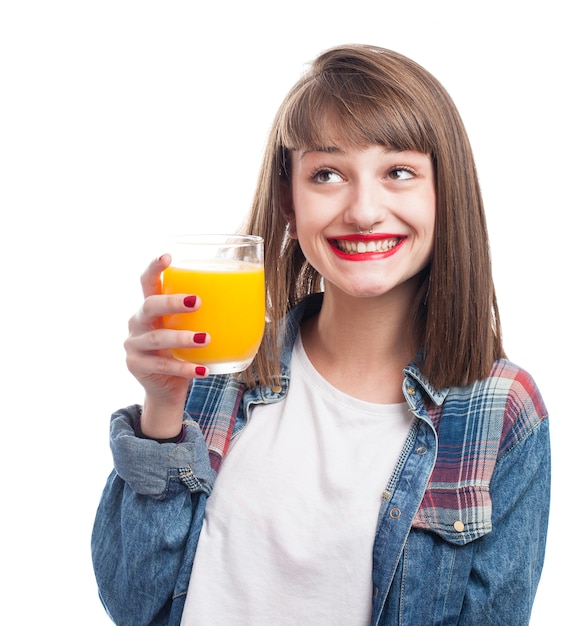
[(289, 528)]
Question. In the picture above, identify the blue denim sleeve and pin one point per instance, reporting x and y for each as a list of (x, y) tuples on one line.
[(507, 562), (148, 521)]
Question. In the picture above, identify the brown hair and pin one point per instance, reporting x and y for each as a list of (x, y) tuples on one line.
[(376, 96)]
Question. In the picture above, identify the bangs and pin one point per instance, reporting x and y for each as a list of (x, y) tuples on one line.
[(342, 107)]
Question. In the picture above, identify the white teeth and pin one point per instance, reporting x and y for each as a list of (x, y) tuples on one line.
[(359, 247)]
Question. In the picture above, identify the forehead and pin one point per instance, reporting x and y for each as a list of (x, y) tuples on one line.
[(340, 148), (369, 154), (328, 125)]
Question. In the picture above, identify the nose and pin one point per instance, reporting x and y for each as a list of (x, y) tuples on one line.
[(364, 206)]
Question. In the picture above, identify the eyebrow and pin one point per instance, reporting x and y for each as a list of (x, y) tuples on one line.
[(324, 149)]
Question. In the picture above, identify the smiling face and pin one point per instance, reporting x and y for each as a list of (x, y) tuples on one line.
[(339, 191)]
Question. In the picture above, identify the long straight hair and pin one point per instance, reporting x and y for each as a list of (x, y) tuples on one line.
[(379, 97)]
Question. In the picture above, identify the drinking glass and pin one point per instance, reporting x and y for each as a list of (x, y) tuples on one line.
[(226, 273)]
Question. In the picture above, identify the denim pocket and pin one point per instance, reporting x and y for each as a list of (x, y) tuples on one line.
[(457, 514)]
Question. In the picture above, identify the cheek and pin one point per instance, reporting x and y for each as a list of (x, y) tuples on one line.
[(420, 218), (307, 215), (426, 216), (430, 224)]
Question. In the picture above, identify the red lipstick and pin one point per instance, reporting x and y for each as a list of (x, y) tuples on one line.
[(366, 247)]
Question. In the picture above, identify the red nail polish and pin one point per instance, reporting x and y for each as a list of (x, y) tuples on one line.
[(190, 301), (200, 370), (199, 337)]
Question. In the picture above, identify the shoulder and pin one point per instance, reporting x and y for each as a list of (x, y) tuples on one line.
[(524, 407), (507, 402), (518, 385)]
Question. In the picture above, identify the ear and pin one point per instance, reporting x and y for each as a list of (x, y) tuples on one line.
[(287, 208)]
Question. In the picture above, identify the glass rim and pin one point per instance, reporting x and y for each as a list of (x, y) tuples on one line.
[(215, 239)]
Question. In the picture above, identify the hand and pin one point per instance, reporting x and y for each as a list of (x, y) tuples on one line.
[(164, 378)]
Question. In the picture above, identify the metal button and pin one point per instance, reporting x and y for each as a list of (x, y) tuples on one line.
[(395, 513), (458, 526), (276, 389), (411, 390), (421, 450)]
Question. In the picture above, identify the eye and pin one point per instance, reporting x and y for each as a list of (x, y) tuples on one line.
[(323, 176), (401, 173)]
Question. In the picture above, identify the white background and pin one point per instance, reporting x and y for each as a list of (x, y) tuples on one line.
[(124, 121)]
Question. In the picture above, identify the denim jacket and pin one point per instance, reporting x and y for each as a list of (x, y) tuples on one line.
[(462, 524)]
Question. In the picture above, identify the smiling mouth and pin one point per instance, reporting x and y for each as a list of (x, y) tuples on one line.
[(352, 246)]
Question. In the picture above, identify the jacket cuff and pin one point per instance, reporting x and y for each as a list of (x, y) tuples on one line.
[(152, 468)]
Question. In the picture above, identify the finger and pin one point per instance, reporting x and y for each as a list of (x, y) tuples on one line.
[(150, 279), (169, 304), (162, 340), (153, 365), (156, 306)]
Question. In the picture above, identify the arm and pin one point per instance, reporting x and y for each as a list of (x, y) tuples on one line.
[(150, 512), (508, 561)]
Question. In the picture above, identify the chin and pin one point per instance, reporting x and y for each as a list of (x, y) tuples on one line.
[(380, 288), (364, 291)]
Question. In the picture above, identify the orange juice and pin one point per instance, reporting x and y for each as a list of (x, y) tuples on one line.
[(232, 310)]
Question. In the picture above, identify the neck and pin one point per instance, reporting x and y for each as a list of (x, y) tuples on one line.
[(360, 345)]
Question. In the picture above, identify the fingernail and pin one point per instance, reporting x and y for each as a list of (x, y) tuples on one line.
[(190, 301), (199, 337), (200, 370)]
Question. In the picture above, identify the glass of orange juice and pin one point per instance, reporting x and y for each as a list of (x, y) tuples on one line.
[(226, 273)]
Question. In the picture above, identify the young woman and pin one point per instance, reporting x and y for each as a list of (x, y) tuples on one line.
[(381, 462)]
